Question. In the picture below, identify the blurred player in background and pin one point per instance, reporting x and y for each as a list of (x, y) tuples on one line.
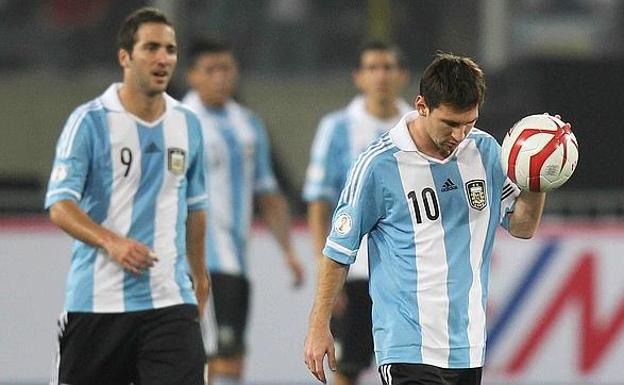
[(128, 185), (380, 76), (429, 194), (238, 169)]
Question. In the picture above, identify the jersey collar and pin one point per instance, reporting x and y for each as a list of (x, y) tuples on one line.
[(110, 100)]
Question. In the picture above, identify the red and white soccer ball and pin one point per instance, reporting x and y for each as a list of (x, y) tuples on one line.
[(540, 153)]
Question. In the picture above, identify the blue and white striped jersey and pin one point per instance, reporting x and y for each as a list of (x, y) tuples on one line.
[(340, 138), (139, 180), (430, 224), (238, 167)]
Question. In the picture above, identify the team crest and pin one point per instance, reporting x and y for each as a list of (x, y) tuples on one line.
[(477, 196), (176, 160)]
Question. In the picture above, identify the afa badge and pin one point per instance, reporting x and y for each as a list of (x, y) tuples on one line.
[(176, 160), (477, 195)]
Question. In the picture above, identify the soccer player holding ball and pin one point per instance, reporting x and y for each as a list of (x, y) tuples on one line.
[(429, 195)]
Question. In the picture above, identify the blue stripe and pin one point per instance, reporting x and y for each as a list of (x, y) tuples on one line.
[(95, 202), (521, 293), (456, 225), (137, 293), (237, 175)]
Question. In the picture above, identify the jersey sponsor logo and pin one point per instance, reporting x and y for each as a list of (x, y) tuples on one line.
[(449, 185), (343, 224), (176, 160), (59, 173), (477, 197)]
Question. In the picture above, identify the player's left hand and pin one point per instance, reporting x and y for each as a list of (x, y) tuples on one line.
[(201, 286), (296, 269)]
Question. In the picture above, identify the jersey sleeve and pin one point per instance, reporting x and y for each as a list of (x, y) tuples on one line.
[(264, 178), (360, 207), (509, 194), (322, 181), (196, 196), (72, 160)]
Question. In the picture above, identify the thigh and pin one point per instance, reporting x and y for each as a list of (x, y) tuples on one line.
[(355, 332), (230, 301), (96, 348), (421, 374), (170, 348)]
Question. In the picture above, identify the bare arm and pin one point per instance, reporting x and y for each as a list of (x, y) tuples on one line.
[(129, 253), (525, 219), (320, 342), (195, 233), (274, 211), (318, 223)]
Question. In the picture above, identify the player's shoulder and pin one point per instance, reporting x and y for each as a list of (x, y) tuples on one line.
[(378, 153), (482, 137), (333, 123)]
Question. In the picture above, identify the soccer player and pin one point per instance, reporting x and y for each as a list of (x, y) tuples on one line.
[(429, 194), (380, 76), (238, 169), (128, 185)]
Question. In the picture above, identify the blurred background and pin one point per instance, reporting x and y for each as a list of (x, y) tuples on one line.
[(557, 56)]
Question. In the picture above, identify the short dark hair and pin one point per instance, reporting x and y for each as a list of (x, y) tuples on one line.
[(206, 45), (126, 37), (379, 45), (454, 80)]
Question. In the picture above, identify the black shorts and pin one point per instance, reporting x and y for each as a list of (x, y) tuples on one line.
[(150, 347), (225, 322), (421, 374), (353, 330)]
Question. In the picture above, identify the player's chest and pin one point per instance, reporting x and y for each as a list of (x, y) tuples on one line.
[(226, 148), (431, 193)]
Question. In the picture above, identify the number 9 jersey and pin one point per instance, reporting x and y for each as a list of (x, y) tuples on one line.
[(431, 225), (139, 180)]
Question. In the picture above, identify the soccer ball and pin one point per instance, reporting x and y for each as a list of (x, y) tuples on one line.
[(539, 153)]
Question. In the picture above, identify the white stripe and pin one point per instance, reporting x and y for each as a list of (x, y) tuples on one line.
[(108, 280), (62, 324), (164, 288), (362, 162), (431, 265), (358, 186), (208, 324), (96, 105), (197, 199), (218, 179), (64, 190), (340, 248), (382, 372), (389, 374)]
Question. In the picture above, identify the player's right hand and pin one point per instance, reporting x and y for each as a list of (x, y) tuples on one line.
[(319, 343), (131, 254)]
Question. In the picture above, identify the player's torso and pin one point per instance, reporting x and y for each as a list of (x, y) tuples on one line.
[(136, 187), (430, 252), (230, 141)]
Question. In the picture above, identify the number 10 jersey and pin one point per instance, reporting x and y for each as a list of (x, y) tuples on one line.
[(431, 225)]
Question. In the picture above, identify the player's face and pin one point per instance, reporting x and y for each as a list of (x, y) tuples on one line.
[(154, 56), (380, 77), (445, 126), (214, 77)]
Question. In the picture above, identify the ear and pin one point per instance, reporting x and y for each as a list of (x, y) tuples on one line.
[(124, 57), (420, 104)]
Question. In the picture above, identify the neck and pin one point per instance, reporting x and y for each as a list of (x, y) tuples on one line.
[(423, 142), (381, 109), (146, 107)]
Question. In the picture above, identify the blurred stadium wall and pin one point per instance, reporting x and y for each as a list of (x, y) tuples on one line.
[(563, 57)]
